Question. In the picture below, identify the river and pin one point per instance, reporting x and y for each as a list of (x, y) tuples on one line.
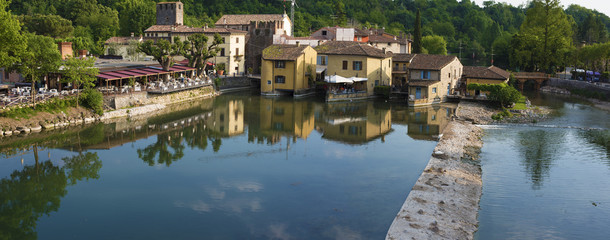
[(239, 166), (548, 180)]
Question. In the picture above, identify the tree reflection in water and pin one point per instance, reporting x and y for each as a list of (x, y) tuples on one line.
[(538, 148), (36, 190), (166, 150)]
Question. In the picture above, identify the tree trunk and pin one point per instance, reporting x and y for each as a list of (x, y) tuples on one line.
[(32, 92)]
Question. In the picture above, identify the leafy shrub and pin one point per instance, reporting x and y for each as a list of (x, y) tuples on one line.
[(500, 93), (92, 99)]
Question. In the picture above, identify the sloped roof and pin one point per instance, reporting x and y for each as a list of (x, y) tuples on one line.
[(402, 57), (283, 52), (383, 39), (351, 48), (187, 29), (245, 19), (485, 72), (431, 62), (122, 40)]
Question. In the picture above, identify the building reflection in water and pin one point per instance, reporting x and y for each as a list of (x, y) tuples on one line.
[(227, 118), (426, 123), (355, 122), (282, 118)]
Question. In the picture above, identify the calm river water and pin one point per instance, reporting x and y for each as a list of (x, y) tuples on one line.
[(550, 180), (235, 167)]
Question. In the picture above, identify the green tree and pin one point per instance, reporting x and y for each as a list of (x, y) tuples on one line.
[(135, 16), (48, 25), (435, 45), (548, 30), (163, 51), (40, 58), (417, 38), (12, 43), (340, 13), (198, 51), (80, 72)]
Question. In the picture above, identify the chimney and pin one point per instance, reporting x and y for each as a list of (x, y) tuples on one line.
[(205, 27), (319, 42), (298, 44), (224, 21), (384, 50), (65, 49), (82, 53), (132, 35), (394, 37)]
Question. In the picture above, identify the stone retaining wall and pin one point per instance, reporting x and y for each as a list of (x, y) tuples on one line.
[(143, 98), (574, 84), (444, 202)]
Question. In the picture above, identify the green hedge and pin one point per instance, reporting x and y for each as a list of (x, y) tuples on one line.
[(382, 90), (92, 99)]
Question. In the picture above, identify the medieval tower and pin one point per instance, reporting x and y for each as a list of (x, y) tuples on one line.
[(170, 13)]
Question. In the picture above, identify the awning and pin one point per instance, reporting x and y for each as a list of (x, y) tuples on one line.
[(339, 79), (320, 69)]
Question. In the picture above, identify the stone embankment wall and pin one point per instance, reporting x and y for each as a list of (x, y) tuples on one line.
[(444, 202), (149, 104), (574, 84), (142, 98)]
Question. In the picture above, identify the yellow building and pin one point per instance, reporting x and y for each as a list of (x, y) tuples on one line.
[(287, 69), (353, 69), (482, 75), (432, 78), (400, 69), (355, 122)]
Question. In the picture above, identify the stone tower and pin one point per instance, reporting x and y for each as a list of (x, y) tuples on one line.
[(170, 13)]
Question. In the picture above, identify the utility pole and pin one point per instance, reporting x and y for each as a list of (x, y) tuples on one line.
[(492, 56), (460, 56)]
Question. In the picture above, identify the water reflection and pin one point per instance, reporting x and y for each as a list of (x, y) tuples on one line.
[(429, 122), (600, 138), (36, 190), (538, 148), (355, 123)]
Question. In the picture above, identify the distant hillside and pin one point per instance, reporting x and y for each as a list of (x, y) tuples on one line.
[(466, 26)]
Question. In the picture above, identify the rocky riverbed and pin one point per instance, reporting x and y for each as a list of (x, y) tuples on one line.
[(481, 113)]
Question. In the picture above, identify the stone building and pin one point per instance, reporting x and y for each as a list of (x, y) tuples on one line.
[(261, 28), (170, 13)]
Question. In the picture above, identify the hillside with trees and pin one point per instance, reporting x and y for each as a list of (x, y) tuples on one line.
[(477, 32)]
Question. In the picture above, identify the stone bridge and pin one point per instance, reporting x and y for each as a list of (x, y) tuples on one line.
[(538, 78)]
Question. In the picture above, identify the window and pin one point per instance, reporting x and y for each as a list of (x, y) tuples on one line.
[(433, 90), (344, 65), (357, 65), (237, 51), (222, 117), (322, 60), (341, 129), (280, 79), (353, 130), (222, 52), (236, 40), (268, 82), (179, 6), (280, 64), (278, 111), (324, 33), (425, 74)]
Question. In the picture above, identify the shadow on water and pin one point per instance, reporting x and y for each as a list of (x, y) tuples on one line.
[(37, 190), (600, 138)]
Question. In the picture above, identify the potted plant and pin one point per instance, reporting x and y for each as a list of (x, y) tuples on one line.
[(250, 71), (220, 68)]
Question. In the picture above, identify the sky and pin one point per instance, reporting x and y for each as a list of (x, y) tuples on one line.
[(602, 6)]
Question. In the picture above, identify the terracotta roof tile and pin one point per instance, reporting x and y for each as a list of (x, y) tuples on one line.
[(351, 48), (431, 62), (283, 52), (485, 72), (245, 19), (187, 29), (402, 57)]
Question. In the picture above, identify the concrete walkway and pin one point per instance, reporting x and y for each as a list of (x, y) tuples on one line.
[(444, 202)]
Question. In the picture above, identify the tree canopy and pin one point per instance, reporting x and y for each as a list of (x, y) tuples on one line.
[(198, 51)]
